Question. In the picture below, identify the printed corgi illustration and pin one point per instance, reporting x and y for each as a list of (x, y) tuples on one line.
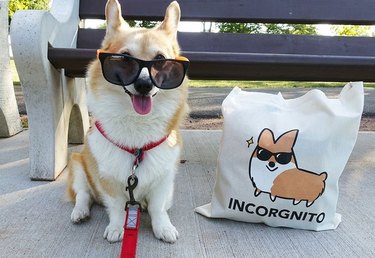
[(273, 169)]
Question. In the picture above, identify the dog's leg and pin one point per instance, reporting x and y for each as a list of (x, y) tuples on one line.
[(81, 209), (159, 201), (114, 232), (79, 185)]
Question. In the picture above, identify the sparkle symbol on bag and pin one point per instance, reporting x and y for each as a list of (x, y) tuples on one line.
[(250, 141)]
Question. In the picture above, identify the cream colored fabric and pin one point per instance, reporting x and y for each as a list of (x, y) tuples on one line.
[(280, 160)]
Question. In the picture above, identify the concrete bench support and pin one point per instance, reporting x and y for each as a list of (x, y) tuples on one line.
[(53, 101), (10, 123)]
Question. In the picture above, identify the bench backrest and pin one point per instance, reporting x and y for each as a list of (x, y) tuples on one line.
[(208, 51), (267, 11)]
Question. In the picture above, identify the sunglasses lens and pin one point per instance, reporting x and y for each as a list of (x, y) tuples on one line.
[(119, 69), (283, 158), (263, 154), (167, 74)]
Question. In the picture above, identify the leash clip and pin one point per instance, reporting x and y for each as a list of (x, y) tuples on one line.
[(132, 184)]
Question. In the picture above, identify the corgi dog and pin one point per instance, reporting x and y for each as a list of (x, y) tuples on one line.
[(137, 95), (273, 169)]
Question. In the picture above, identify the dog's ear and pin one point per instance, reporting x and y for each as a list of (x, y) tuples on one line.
[(171, 19), (114, 19), (266, 138), (287, 140)]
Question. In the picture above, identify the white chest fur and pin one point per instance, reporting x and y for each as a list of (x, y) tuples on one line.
[(263, 175), (115, 163)]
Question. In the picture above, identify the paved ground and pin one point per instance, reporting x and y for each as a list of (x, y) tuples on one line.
[(206, 102), (205, 105), (35, 216)]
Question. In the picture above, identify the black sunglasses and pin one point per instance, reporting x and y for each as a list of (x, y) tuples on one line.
[(123, 70), (281, 157)]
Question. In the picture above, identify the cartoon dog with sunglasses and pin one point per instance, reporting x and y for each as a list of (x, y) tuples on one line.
[(273, 169)]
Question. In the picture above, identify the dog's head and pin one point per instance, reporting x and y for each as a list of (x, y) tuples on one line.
[(131, 74), (272, 157), (276, 154)]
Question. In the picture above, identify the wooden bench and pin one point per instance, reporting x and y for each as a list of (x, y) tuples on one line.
[(55, 94)]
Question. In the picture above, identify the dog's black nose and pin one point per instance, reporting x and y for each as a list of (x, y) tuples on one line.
[(143, 86), (271, 164)]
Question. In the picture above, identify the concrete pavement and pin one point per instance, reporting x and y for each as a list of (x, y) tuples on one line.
[(35, 216), (206, 102)]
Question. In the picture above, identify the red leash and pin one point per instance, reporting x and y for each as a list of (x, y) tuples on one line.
[(129, 242), (132, 207)]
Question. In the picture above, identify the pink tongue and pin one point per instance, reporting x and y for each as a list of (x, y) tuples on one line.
[(142, 104)]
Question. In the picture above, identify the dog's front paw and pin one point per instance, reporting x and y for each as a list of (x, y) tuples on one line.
[(167, 232), (79, 214), (113, 233)]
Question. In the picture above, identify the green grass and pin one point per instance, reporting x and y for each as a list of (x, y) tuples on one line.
[(241, 84), (16, 79)]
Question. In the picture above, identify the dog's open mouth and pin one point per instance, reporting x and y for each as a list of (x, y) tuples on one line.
[(142, 104)]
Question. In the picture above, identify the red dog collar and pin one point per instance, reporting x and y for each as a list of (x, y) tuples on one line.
[(134, 151)]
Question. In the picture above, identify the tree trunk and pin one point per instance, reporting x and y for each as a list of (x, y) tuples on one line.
[(10, 123)]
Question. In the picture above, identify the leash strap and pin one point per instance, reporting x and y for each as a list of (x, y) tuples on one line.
[(129, 242), (132, 207)]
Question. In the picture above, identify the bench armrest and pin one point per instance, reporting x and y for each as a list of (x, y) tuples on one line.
[(32, 31)]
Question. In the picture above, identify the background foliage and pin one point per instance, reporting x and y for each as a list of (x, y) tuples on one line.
[(352, 30), (15, 5), (268, 28)]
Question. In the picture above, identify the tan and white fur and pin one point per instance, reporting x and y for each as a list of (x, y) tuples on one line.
[(100, 172)]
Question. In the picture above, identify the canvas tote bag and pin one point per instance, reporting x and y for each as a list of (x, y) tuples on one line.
[(280, 160)]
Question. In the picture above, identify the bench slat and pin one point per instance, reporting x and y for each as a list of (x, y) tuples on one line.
[(268, 11), (280, 67), (255, 43), (248, 56), (73, 60), (245, 66)]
